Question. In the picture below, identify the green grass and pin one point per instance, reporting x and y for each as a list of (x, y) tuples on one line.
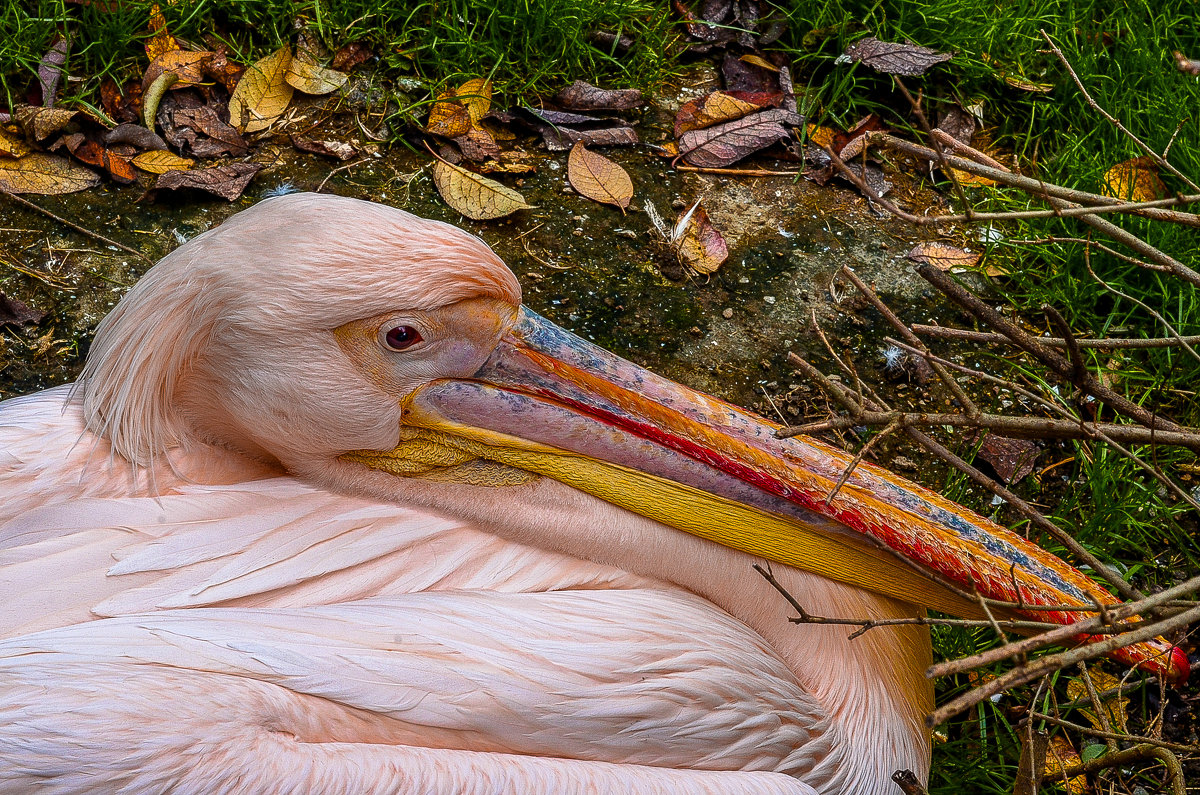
[(528, 47)]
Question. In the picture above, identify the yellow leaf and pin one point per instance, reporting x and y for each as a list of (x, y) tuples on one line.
[(759, 61), (448, 117), (969, 179), (45, 174), (699, 246), (477, 96), (821, 136), (161, 41), (514, 162), (942, 256), (1134, 180), (11, 145), (159, 162), (1114, 707), (186, 65), (306, 75), (714, 108), (598, 178), (1060, 755), (263, 93), (474, 196)]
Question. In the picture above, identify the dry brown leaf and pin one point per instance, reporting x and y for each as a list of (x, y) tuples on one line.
[(474, 196), (1013, 459), (41, 123), (228, 182), (306, 75), (160, 162), (1060, 755), (448, 117), (161, 41), (1134, 180), (188, 67), (711, 109), (700, 246), (263, 93), (477, 96), (45, 174), (339, 150), (52, 68), (724, 144), (942, 256), (598, 178), (18, 313), (478, 145), (11, 145), (1114, 707), (895, 58), (585, 96), (560, 139)]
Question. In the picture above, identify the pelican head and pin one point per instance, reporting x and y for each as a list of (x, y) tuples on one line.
[(357, 345)]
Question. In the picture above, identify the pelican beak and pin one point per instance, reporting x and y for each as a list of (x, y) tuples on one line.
[(553, 404)]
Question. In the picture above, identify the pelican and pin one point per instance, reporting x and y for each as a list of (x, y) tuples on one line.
[(330, 511)]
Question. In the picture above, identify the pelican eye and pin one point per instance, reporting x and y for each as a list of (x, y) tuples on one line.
[(401, 337)]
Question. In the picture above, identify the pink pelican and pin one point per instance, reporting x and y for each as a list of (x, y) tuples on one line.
[(330, 511)]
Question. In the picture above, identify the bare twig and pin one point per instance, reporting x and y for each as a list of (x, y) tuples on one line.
[(1116, 343), (908, 783), (1122, 758), (738, 172), (1165, 323), (1056, 662), (1064, 633), (1066, 724)]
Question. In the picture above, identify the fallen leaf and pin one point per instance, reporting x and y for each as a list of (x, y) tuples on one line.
[(161, 41), (215, 136), (228, 182), (160, 162), (958, 124), (478, 145), (153, 96), (724, 144), (351, 55), (759, 61), (894, 58), (45, 174), (306, 75), (821, 136), (942, 256), (119, 167), (135, 135), (224, 71), (477, 96), (1060, 755), (559, 117), (41, 123), (598, 178), (871, 174), (560, 139), (113, 103), (1114, 707), (1026, 85), (698, 244), (11, 145), (474, 196), (512, 162), (448, 117), (339, 150), (1134, 180), (1013, 459), (190, 68), (263, 93), (585, 96), (711, 109), (50, 70), (18, 313)]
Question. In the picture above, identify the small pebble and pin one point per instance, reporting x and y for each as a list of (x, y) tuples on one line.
[(727, 314)]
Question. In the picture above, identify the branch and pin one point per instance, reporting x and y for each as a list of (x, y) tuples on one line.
[(1113, 343)]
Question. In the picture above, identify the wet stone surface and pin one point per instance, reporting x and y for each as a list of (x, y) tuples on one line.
[(584, 265)]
